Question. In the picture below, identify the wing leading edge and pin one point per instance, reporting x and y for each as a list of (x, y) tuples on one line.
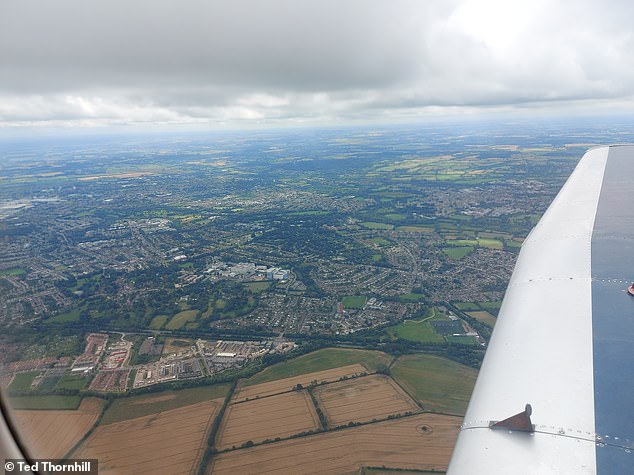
[(564, 337)]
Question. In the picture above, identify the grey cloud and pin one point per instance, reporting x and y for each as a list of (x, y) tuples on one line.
[(277, 44), (190, 60)]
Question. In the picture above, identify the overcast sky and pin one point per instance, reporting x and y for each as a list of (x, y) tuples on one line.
[(206, 62)]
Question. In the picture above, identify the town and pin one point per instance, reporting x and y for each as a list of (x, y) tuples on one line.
[(245, 244), (104, 365)]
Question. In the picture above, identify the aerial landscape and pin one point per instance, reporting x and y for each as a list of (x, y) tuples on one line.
[(276, 236), (260, 293)]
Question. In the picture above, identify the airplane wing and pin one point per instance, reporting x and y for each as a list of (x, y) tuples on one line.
[(555, 393), (10, 446)]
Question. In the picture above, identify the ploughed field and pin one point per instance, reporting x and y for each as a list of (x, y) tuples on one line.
[(172, 441), (51, 434), (363, 399), (256, 420), (419, 442)]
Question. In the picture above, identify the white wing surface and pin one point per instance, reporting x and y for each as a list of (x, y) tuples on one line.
[(564, 339)]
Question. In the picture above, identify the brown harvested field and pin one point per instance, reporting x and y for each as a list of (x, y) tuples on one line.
[(176, 345), (259, 419), (51, 434), (387, 471), (287, 384), (420, 442), (168, 442), (363, 399)]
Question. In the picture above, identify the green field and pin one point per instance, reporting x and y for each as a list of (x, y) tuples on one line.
[(480, 309), (47, 384), (136, 406), (72, 316), (395, 217), (438, 383), (258, 286), (320, 360), (494, 235), (457, 252), (415, 229), (491, 305), (482, 242), (462, 339), (45, 402), (15, 272), (72, 381), (158, 322), (22, 381), (512, 243), (418, 331), (491, 243), (374, 225), (354, 301), (484, 317), (181, 319), (462, 242), (467, 306), (381, 242)]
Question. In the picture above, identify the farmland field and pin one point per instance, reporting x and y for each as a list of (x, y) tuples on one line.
[(491, 307), (438, 383), (374, 225), (267, 418), (159, 321), (180, 319), (136, 406), (45, 402), (287, 384), (415, 229), (394, 471), (51, 434), (363, 399), (22, 381), (320, 360), (484, 317), (467, 306), (168, 442), (72, 381), (420, 442)]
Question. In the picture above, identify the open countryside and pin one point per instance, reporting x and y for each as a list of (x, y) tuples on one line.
[(437, 383), (323, 359), (342, 418), (204, 272), (421, 442), (289, 384), (51, 434), (166, 442), (363, 399), (268, 418)]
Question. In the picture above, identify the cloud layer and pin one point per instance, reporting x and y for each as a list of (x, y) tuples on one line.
[(196, 61)]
